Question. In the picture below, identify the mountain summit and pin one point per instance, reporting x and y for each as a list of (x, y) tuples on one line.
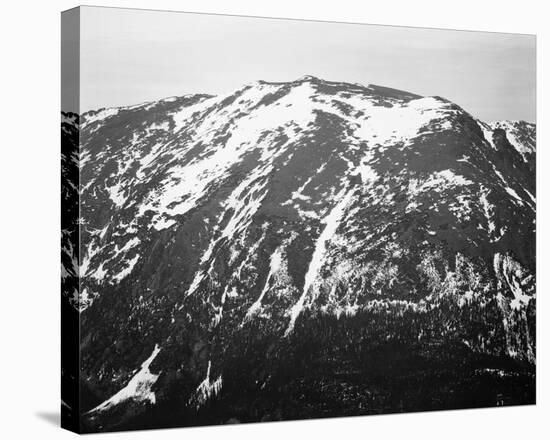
[(301, 249)]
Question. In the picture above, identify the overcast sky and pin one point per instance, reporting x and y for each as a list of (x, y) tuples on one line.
[(130, 56)]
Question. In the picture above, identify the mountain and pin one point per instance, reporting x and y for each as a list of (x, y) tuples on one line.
[(302, 249)]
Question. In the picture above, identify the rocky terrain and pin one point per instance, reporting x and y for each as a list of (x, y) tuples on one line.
[(295, 250)]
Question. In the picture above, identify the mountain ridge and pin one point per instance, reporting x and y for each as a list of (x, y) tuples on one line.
[(302, 79)]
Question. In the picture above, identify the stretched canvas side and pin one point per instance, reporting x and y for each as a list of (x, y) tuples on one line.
[(70, 249)]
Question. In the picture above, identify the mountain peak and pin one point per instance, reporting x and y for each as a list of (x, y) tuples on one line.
[(309, 78)]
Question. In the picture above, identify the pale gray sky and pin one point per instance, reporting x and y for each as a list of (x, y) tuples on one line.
[(130, 56)]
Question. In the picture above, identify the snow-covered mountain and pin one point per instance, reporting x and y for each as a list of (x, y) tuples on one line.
[(301, 249)]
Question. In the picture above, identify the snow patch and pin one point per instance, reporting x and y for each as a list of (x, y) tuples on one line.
[(332, 221), (206, 389), (138, 388), (127, 270)]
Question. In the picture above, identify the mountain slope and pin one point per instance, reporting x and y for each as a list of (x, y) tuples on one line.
[(223, 235)]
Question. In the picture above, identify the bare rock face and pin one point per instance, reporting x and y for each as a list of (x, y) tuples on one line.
[(302, 249)]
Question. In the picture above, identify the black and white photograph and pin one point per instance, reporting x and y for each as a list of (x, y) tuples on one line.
[(244, 220), (268, 219)]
